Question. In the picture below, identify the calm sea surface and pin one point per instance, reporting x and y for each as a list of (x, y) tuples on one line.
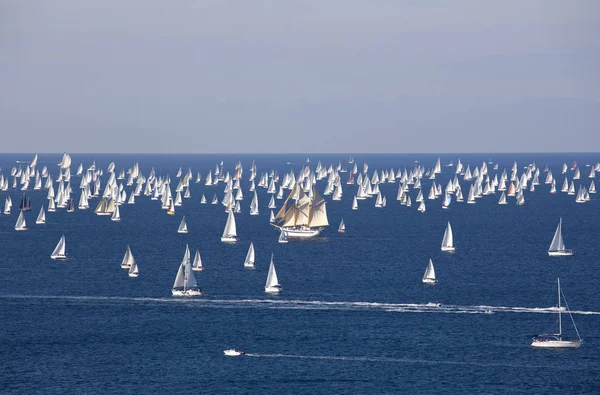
[(353, 317)]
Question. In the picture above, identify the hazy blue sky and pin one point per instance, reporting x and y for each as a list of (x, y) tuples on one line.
[(299, 76)]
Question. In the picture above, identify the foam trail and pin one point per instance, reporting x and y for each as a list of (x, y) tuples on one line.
[(292, 304)]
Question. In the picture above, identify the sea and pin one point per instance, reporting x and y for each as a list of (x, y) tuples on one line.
[(354, 316)]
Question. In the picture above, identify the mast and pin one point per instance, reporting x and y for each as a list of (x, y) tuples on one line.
[(559, 315)]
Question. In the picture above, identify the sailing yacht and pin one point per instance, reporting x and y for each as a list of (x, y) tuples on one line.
[(197, 264), (557, 247), (306, 217), (41, 218), (128, 259), (59, 251), (185, 281), (182, 226), (555, 340), (342, 227), (230, 231), (448, 240), (254, 205), (134, 271), (116, 215), (272, 285), (21, 224), (429, 276), (249, 261)]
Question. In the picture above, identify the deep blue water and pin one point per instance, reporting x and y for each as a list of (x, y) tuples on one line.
[(353, 316)]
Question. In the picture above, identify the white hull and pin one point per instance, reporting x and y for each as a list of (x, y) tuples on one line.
[(273, 290), (233, 353), (198, 269), (249, 266), (134, 274), (561, 253), (429, 281), (228, 239), (301, 233), (182, 231), (556, 344), (448, 249), (59, 257), (187, 292)]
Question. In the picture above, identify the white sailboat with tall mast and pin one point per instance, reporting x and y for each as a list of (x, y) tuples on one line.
[(342, 227), (182, 226), (448, 240), (128, 259), (557, 247), (59, 251), (249, 261), (134, 271), (306, 217), (197, 265), (230, 231), (429, 276), (41, 218), (185, 281), (555, 340), (21, 224), (272, 285)]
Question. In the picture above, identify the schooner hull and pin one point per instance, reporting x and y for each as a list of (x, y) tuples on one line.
[(302, 233)]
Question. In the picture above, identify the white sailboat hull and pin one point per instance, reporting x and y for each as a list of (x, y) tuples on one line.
[(429, 281), (187, 292), (275, 289), (556, 344), (302, 233), (58, 257), (561, 253), (228, 239), (133, 274)]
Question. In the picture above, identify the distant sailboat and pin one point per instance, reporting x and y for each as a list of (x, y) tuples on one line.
[(185, 281), (448, 240), (354, 204), (128, 259), (134, 271), (116, 215), (197, 264), (230, 231), (272, 285), (342, 227), (41, 218), (249, 261), (557, 247), (21, 224), (555, 340), (282, 237), (203, 199), (182, 226), (59, 251), (429, 276), (502, 199)]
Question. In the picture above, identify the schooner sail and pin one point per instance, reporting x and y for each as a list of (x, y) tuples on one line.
[(304, 218)]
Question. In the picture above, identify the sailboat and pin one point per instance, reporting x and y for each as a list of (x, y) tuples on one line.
[(230, 231), (171, 209), (116, 215), (203, 199), (182, 226), (41, 218), (21, 224), (254, 205), (249, 261), (59, 251), (134, 271), (185, 281), (557, 247), (448, 240), (354, 204), (128, 259), (342, 227), (197, 264), (555, 340), (306, 217), (502, 199), (272, 285), (429, 276)]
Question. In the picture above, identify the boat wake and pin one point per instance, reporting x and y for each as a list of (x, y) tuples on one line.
[(207, 302)]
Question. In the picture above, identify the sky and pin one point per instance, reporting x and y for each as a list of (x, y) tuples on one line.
[(282, 76)]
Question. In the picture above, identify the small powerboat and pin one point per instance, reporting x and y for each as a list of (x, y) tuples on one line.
[(233, 352)]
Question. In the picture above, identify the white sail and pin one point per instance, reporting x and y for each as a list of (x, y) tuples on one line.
[(128, 259), (197, 264), (59, 251), (230, 231), (116, 215), (21, 224), (182, 226), (557, 247), (185, 282), (448, 240), (249, 261), (254, 205), (41, 218), (134, 271), (272, 285), (429, 276), (342, 227)]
